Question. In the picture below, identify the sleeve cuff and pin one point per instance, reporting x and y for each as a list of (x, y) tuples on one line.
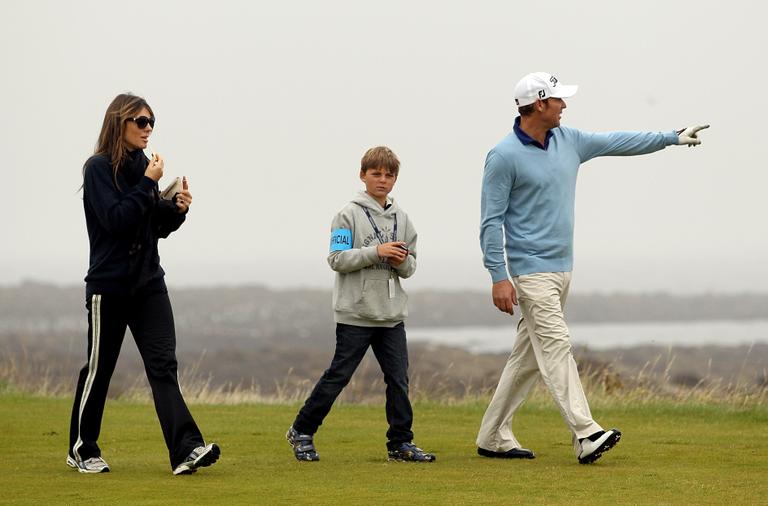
[(371, 254), (498, 274), (146, 183), (405, 267)]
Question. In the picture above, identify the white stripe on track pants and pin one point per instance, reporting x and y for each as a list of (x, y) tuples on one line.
[(150, 319)]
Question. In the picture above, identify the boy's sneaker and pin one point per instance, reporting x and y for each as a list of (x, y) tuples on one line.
[(592, 447), (303, 445), (202, 456), (409, 452), (92, 465)]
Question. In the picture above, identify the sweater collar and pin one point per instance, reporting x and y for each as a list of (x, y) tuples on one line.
[(526, 139), (133, 166)]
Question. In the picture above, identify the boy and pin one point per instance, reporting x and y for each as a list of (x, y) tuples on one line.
[(373, 245)]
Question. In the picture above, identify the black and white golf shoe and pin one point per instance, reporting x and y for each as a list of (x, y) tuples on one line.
[(592, 447)]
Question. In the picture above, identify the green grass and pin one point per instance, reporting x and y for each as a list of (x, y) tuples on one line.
[(669, 454)]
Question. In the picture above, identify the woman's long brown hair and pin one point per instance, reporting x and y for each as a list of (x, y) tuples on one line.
[(111, 142)]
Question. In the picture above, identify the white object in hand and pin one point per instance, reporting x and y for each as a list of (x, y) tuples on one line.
[(687, 136)]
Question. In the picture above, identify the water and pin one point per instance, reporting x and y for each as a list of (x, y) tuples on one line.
[(606, 335)]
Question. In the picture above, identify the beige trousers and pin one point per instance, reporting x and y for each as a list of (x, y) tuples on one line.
[(542, 348)]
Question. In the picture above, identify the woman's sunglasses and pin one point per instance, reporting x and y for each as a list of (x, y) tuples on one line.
[(143, 121)]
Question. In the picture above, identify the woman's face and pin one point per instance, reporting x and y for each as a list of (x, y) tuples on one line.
[(135, 137)]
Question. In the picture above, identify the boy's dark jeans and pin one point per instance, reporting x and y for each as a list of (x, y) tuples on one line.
[(389, 347)]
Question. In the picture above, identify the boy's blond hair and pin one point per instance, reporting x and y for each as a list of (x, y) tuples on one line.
[(380, 157)]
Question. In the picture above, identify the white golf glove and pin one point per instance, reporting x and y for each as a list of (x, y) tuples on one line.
[(687, 136)]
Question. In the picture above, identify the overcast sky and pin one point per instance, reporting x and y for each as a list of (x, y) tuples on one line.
[(267, 107)]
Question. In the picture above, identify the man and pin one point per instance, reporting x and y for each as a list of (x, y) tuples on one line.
[(527, 208)]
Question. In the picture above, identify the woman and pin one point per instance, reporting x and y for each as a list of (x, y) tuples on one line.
[(125, 287)]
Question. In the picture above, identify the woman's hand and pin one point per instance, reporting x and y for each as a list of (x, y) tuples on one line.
[(183, 198), (155, 168)]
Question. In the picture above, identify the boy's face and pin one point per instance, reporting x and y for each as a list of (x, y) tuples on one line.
[(378, 182)]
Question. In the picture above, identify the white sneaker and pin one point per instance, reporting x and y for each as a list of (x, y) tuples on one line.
[(592, 448), (202, 456), (92, 465)]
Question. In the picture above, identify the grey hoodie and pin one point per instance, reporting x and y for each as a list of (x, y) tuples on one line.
[(361, 294)]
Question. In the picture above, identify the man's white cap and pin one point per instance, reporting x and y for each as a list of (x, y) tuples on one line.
[(540, 86)]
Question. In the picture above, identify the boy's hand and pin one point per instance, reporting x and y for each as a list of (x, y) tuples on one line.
[(394, 252)]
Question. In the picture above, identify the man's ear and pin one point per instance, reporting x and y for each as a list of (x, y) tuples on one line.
[(362, 175)]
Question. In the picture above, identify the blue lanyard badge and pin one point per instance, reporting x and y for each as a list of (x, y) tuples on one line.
[(341, 239), (379, 235)]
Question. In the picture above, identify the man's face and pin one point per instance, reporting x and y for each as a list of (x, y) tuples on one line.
[(552, 111), (378, 182)]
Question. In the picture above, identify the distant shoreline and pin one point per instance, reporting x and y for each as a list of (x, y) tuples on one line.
[(31, 282), (263, 312), (606, 336)]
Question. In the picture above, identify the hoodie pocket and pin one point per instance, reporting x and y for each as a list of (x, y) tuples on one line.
[(375, 304)]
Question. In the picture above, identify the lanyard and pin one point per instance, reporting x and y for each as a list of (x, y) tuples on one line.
[(376, 230)]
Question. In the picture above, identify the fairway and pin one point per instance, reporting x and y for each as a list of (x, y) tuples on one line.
[(668, 454)]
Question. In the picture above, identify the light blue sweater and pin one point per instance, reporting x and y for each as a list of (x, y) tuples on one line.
[(528, 195)]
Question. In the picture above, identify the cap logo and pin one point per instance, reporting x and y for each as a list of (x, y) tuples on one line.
[(553, 80), (542, 94)]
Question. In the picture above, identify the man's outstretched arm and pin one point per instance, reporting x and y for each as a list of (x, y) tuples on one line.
[(594, 144)]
